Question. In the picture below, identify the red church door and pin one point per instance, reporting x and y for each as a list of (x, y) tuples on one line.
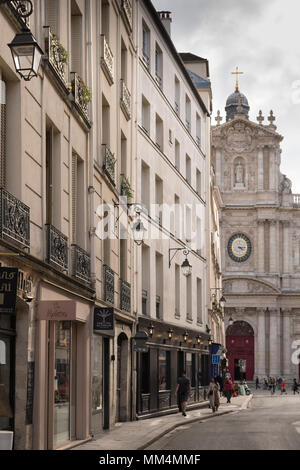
[(240, 347)]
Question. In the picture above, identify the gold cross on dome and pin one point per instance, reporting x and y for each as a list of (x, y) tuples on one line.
[(237, 73)]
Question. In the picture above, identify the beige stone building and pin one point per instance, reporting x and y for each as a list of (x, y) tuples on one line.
[(260, 230)]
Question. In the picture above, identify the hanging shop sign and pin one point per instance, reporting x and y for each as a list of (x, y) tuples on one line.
[(215, 359), (8, 290), (104, 320)]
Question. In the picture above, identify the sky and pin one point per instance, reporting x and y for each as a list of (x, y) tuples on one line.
[(262, 38)]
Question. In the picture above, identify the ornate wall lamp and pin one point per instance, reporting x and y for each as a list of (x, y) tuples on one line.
[(185, 336), (186, 267), (26, 52), (138, 229), (170, 333), (151, 328), (218, 304)]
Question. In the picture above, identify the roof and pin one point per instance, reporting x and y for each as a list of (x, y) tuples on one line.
[(155, 16), (189, 57), (199, 81)]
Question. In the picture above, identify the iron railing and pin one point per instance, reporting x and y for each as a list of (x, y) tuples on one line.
[(14, 219), (81, 94), (58, 250), (57, 55), (107, 60), (109, 163), (109, 284), (125, 296), (22, 9), (81, 264), (125, 100)]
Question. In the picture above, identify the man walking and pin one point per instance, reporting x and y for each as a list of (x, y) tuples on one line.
[(257, 383), (295, 387), (228, 388), (184, 390)]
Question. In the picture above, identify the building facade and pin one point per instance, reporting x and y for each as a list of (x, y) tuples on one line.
[(173, 161), (260, 245)]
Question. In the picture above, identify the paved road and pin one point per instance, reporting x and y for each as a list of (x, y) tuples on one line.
[(271, 423)]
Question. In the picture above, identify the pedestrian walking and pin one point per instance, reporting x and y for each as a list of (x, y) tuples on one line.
[(295, 387), (273, 385), (283, 389), (265, 384), (214, 394), (220, 382), (228, 388), (257, 383), (183, 390)]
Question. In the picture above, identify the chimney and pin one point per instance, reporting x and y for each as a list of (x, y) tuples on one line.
[(166, 19)]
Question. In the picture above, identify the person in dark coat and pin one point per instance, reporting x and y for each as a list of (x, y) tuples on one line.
[(295, 386), (183, 390), (257, 383)]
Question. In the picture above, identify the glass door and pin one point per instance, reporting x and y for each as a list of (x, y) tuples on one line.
[(6, 393)]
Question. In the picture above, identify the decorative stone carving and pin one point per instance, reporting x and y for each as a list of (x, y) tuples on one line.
[(239, 137), (285, 185), (239, 173)]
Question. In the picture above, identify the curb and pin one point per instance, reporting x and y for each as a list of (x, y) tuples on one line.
[(194, 420)]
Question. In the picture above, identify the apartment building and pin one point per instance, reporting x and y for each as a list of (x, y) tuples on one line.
[(67, 147), (173, 172)]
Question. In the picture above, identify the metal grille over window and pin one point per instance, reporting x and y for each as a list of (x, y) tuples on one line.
[(125, 294), (14, 219), (109, 284), (57, 248)]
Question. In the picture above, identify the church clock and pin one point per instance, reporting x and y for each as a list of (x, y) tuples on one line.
[(239, 247)]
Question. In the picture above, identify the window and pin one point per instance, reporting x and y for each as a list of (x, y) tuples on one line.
[(159, 284), (159, 132), (124, 55), (146, 45), (188, 224), (52, 15), (199, 237), (52, 171), (158, 65), (145, 115), (177, 155), (105, 122), (105, 19), (198, 130), (164, 370), (188, 113), (97, 374), (190, 368), (158, 199), (170, 137), (78, 233), (145, 186), (198, 182), (188, 169), (3, 134), (76, 39), (189, 313), (177, 291), (177, 217), (145, 369), (199, 301), (177, 96), (145, 279)]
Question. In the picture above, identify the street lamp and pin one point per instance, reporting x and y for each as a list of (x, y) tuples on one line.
[(138, 231), (170, 333), (26, 54), (185, 336), (230, 321), (186, 267), (222, 301), (25, 50)]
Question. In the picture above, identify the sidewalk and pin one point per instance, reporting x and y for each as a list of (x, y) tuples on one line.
[(137, 435)]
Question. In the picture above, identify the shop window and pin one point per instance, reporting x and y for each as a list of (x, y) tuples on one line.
[(145, 382), (164, 370), (97, 375), (190, 368)]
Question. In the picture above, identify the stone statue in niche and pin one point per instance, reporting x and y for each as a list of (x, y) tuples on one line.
[(285, 185), (239, 176)]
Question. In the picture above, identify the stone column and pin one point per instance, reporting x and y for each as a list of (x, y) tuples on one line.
[(273, 246), (274, 349), (260, 361), (287, 350), (218, 168), (260, 246), (286, 246), (273, 166), (260, 167)]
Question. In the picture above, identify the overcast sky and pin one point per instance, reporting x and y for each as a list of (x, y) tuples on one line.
[(262, 38)]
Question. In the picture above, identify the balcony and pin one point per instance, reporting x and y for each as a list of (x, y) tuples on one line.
[(107, 60), (125, 100), (127, 9), (57, 55), (109, 284), (81, 264), (109, 163), (82, 95), (125, 296), (58, 254), (14, 219)]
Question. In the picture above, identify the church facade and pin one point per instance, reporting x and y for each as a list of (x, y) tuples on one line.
[(260, 240)]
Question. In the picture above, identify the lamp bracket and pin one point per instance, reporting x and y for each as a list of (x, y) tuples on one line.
[(24, 8), (185, 252)]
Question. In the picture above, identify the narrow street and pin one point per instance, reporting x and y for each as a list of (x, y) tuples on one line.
[(270, 423)]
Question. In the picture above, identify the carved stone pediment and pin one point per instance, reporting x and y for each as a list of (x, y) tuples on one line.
[(239, 137), (247, 286)]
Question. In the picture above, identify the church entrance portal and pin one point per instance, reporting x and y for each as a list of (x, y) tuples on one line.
[(240, 347)]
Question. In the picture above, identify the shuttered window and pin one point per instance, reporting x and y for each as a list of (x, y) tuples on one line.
[(76, 39), (52, 15), (74, 198), (3, 124)]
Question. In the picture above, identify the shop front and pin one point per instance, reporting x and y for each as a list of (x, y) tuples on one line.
[(62, 385), (170, 351)]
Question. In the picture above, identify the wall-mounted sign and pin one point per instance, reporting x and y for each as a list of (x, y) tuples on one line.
[(104, 319), (57, 310), (215, 359), (8, 290)]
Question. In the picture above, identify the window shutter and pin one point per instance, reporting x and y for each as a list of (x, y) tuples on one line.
[(51, 15), (76, 43), (74, 199), (2, 134)]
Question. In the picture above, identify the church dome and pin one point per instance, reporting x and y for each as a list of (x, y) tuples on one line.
[(232, 104)]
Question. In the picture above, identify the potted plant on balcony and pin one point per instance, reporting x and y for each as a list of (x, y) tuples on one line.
[(125, 189)]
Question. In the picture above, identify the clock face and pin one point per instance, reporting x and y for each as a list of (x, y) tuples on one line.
[(239, 247)]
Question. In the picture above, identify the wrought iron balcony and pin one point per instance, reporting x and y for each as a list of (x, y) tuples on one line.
[(125, 188), (125, 100), (107, 60), (127, 9), (81, 264), (109, 163), (57, 55), (14, 219), (125, 296), (109, 284), (58, 251), (82, 95)]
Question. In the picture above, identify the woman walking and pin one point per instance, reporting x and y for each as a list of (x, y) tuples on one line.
[(214, 395)]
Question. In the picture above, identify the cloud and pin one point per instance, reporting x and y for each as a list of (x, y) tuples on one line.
[(262, 39)]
